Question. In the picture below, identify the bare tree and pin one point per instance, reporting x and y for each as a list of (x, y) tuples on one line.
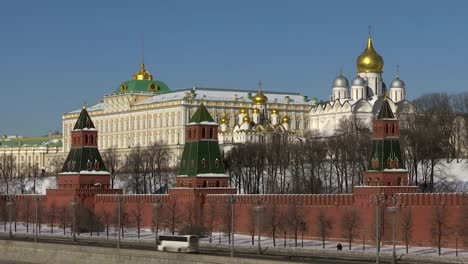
[(324, 226), (51, 214), (407, 227), (350, 225), (158, 156), (170, 215), (439, 226), (210, 218), (62, 215), (135, 169), (56, 165), (137, 217), (273, 220), (112, 161), (106, 217), (7, 170), (295, 218)]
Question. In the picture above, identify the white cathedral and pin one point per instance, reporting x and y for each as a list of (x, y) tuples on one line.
[(363, 100)]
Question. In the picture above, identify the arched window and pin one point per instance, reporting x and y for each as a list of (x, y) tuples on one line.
[(86, 139), (203, 163), (203, 132), (216, 163)]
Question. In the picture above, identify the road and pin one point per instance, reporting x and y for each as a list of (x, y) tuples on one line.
[(111, 243)]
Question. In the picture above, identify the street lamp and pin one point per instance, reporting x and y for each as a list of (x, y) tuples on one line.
[(363, 239), (156, 206), (73, 204), (36, 199), (10, 204), (231, 201), (393, 209), (377, 200), (119, 198), (259, 210)]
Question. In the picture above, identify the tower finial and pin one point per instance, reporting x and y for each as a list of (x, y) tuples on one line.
[(260, 86), (341, 70), (142, 48), (398, 71), (84, 104), (369, 31)]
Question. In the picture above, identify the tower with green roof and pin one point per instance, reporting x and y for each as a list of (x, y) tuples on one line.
[(84, 173), (386, 166), (201, 164)]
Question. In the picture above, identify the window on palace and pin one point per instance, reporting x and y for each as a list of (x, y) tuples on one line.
[(189, 134), (203, 133), (91, 139), (203, 163), (211, 132), (86, 139), (216, 163)]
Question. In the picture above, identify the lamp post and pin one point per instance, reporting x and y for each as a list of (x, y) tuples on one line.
[(393, 201), (36, 199), (363, 239), (10, 203), (73, 204), (119, 198), (232, 200), (156, 206), (377, 200), (259, 210)]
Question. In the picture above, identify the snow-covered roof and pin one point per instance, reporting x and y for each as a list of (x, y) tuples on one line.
[(95, 107), (215, 94)]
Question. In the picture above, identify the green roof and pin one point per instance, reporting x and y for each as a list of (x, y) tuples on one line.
[(385, 111), (55, 141), (201, 115), (84, 120), (383, 151), (152, 86), (200, 157), (80, 159)]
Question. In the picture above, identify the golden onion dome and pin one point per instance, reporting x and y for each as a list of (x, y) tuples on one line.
[(274, 111), (224, 120), (243, 110), (260, 98), (142, 74), (369, 60), (246, 119), (285, 119), (256, 110)]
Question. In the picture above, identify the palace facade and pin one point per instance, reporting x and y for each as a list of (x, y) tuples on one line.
[(143, 110)]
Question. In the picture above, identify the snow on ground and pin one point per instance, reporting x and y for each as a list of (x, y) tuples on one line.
[(245, 240)]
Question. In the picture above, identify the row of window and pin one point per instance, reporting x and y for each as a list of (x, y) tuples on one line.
[(203, 163), (206, 132), (131, 123)]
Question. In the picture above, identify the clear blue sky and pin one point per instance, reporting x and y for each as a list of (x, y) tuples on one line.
[(56, 54)]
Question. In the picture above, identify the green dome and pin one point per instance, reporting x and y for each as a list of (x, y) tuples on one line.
[(143, 86), (142, 81)]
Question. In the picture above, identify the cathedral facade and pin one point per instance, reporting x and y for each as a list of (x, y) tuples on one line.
[(363, 99)]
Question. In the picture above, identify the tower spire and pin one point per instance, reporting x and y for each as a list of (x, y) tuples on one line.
[(143, 48), (259, 86), (398, 71)]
